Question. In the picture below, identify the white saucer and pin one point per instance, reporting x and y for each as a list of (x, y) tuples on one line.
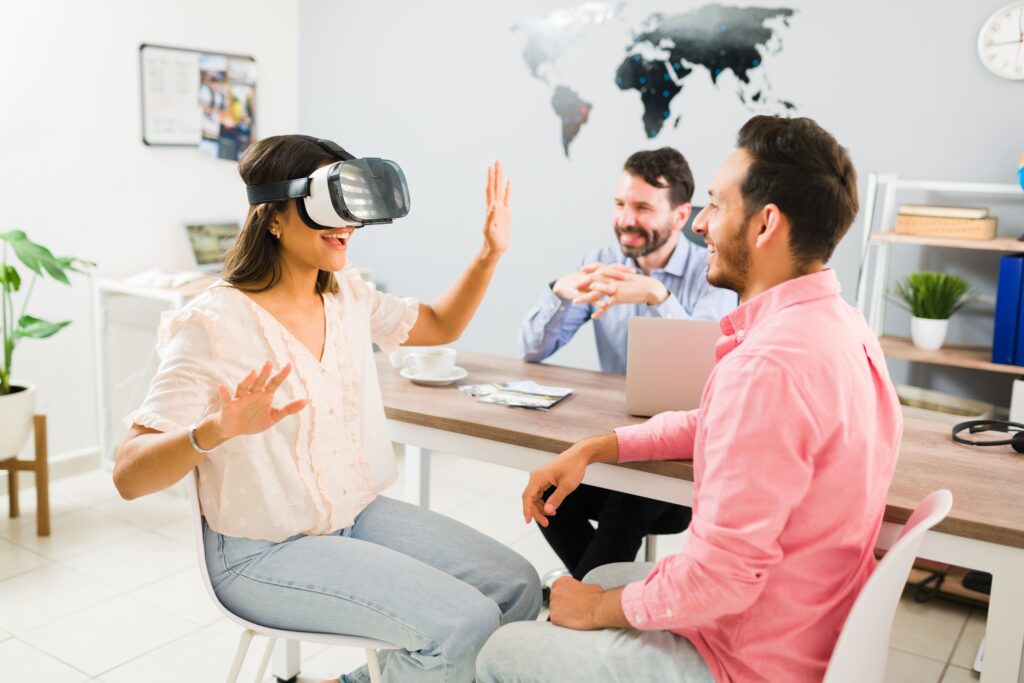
[(457, 374)]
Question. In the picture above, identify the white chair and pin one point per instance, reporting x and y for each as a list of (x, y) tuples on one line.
[(272, 634), (862, 650)]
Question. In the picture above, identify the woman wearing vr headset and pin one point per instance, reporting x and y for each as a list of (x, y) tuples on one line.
[(268, 385)]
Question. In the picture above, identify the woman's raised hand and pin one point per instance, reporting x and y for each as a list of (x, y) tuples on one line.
[(251, 410), (496, 226)]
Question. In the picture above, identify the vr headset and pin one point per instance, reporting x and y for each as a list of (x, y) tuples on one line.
[(349, 193)]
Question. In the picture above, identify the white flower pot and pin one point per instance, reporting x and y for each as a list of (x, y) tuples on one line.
[(928, 333), (16, 412)]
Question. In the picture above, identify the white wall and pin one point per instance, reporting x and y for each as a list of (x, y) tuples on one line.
[(77, 178), (443, 88)]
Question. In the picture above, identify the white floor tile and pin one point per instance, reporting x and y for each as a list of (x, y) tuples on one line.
[(27, 507), (71, 534), (203, 655), (499, 515), (24, 663), (4, 635), (967, 647), (16, 560), (956, 674), (181, 531), (928, 629), (134, 561), (332, 662), (147, 512), (43, 595), (182, 594), (904, 667), (106, 635), (537, 551), (90, 488)]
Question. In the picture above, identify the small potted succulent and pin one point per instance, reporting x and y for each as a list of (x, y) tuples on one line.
[(17, 400), (932, 298)]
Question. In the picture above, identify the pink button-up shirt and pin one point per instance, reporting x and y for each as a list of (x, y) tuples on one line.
[(793, 448)]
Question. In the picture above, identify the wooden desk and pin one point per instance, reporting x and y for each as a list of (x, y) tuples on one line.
[(984, 531)]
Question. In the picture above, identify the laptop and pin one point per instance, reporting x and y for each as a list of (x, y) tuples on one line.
[(668, 362), (210, 242)]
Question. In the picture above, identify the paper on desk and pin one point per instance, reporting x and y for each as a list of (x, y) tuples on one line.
[(521, 394)]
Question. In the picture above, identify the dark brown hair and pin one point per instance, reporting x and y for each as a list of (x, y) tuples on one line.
[(665, 167), (254, 262), (798, 166)]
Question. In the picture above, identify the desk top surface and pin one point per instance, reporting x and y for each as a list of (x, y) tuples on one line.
[(987, 484)]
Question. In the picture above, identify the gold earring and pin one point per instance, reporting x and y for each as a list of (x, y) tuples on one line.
[(276, 234)]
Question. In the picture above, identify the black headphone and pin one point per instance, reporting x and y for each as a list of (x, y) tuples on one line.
[(975, 426)]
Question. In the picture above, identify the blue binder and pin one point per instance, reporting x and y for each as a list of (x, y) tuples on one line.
[(1007, 341)]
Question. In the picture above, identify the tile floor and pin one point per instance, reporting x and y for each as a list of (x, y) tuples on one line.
[(113, 595)]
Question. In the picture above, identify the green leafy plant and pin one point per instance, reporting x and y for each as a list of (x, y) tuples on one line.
[(17, 326), (932, 295)]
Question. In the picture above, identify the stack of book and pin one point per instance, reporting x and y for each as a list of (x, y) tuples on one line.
[(960, 222)]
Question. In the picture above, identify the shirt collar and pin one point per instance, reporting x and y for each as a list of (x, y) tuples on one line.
[(799, 290)]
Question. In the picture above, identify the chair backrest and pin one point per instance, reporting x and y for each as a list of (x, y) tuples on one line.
[(862, 650), (192, 482)]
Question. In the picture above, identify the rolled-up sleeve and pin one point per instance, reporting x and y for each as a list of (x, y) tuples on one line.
[(666, 436), (185, 385), (757, 454)]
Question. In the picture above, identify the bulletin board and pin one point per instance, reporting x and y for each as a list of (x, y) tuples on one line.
[(196, 98)]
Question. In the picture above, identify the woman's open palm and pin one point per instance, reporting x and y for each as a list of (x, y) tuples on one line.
[(251, 409)]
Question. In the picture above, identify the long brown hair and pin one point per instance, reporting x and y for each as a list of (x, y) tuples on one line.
[(253, 264)]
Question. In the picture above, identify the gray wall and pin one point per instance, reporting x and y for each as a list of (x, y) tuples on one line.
[(443, 89)]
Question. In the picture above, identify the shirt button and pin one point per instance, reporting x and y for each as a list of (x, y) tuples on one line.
[(668, 613), (331, 411), (344, 492), (638, 618), (334, 453), (740, 334)]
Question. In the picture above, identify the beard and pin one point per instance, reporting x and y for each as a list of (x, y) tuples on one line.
[(732, 264), (653, 239)]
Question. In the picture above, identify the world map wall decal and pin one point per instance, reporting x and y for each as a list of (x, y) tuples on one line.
[(661, 53)]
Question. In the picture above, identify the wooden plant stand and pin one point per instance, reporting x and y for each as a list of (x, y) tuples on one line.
[(41, 468)]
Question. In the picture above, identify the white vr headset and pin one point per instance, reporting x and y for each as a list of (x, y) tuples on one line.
[(349, 193)]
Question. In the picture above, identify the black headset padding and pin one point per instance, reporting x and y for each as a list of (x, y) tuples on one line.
[(1015, 441)]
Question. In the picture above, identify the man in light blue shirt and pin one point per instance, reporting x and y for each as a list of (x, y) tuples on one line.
[(650, 271)]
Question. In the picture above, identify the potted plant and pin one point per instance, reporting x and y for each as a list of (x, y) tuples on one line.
[(932, 299), (17, 400)]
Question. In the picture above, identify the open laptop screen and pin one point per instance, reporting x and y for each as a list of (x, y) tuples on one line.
[(210, 242)]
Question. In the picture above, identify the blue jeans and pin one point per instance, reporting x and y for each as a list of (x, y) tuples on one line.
[(539, 651), (402, 574)]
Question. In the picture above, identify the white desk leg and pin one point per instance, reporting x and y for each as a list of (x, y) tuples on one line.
[(99, 312), (1004, 628), (287, 660), (417, 475)]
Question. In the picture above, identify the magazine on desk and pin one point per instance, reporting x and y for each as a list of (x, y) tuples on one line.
[(521, 394)]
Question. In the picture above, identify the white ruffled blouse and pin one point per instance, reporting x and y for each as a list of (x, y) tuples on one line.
[(312, 472)]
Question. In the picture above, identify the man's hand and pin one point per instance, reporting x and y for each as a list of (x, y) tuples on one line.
[(568, 286), (614, 283), (565, 472), (586, 606)]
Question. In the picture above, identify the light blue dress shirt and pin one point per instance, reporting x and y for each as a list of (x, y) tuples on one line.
[(554, 321)]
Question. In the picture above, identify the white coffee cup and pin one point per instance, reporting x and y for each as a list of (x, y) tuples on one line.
[(434, 363), (397, 357)]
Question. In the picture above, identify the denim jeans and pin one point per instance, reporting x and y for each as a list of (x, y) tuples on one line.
[(402, 574), (539, 651)]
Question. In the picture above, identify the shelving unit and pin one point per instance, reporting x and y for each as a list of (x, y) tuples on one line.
[(875, 250)]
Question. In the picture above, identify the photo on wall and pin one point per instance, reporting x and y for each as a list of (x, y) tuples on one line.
[(195, 98), (227, 96)]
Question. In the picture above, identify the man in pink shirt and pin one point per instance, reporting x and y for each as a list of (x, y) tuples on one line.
[(793, 446)]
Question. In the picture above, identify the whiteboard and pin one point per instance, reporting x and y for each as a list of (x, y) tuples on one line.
[(170, 95)]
